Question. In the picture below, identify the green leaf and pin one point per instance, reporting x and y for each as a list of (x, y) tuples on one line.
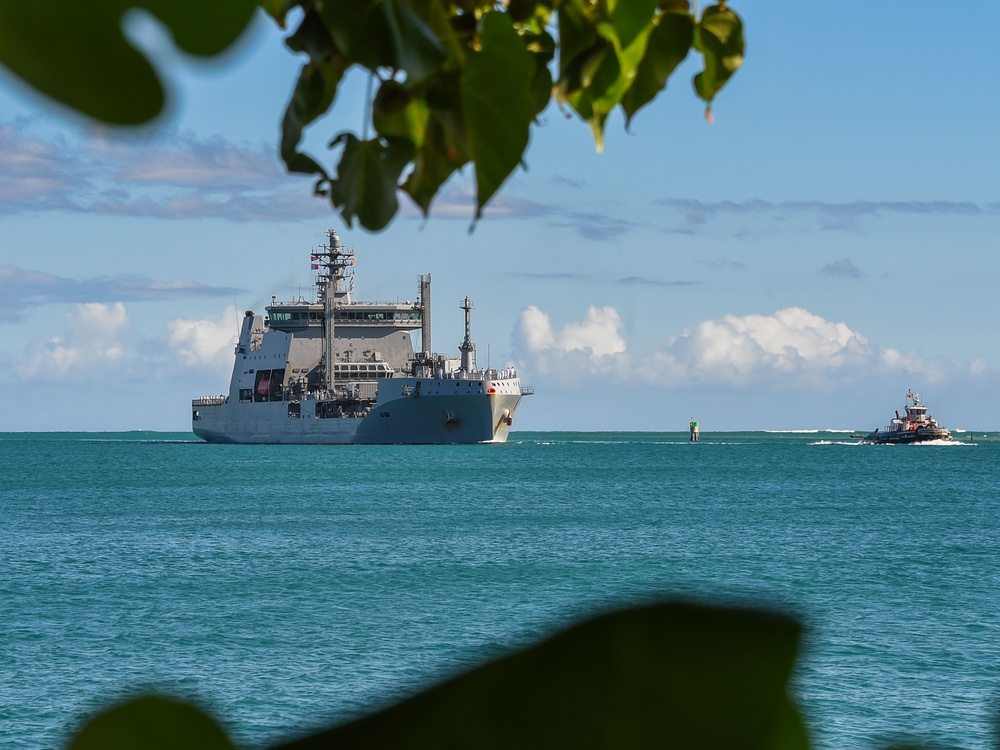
[(671, 675), (577, 37), (431, 169), (445, 148), (152, 723), (397, 113), (668, 45), (632, 21), (433, 14), (497, 104), (602, 86), (719, 37), (312, 38), (594, 81), (541, 46), (314, 92), (384, 34), (277, 9), (76, 53), (365, 186), (522, 10), (541, 85)]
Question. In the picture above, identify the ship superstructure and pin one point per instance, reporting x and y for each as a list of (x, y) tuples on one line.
[(335, 370)]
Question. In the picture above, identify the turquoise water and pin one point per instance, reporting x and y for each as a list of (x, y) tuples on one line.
[(284, 587)]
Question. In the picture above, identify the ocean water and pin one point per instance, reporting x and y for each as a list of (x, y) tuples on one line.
[(284, 588)]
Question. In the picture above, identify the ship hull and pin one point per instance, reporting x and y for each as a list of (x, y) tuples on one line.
[(905, 437), (434, 417)]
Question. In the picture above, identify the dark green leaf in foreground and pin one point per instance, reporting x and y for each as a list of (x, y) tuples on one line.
[(314, 91), (365, 187), (151, 723), (396, 113), (595, 82), (459, 80), (384, 34), (631, 22), (668, 45), (444, 148), (719, 37), (76, 52), (497, 104), (671, 675)]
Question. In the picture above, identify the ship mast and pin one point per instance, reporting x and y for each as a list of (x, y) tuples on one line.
[(334, 263), (467, 348)]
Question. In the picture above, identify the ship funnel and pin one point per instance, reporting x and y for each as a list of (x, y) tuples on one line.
[(425, 314)]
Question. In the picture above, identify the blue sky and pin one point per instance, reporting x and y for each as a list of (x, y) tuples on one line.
[(825, 245)]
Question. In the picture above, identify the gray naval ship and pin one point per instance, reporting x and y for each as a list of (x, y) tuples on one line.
[(337, 371)]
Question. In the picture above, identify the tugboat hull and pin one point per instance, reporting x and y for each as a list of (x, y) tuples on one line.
[(902, 437)]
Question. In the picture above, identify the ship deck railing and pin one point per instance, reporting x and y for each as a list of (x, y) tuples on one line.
[(210, 401), (895, 427), (508, 373)]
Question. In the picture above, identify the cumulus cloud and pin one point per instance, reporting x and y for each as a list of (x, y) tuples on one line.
[(598, 334), (790, 348), (593, 344), (792, 343), (206, 342), (100, 343), (97, 339)]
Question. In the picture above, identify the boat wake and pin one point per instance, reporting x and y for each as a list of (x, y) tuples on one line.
[(943, 442), (805, 432)]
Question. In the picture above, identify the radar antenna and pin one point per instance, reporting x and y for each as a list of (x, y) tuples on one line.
[(335, 266)]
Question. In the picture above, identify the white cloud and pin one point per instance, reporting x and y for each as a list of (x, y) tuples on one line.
[(100, 343), (207, 342), (96, 337), (593, 344), (790, 342), (790, 348)]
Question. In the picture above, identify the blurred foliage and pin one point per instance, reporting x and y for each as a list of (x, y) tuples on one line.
[(462, 81), (152, 722), (457, 81), (672, 674), (76, 52), (667, 675)]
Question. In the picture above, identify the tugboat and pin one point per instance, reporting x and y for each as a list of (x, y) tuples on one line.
[(917, 426)]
